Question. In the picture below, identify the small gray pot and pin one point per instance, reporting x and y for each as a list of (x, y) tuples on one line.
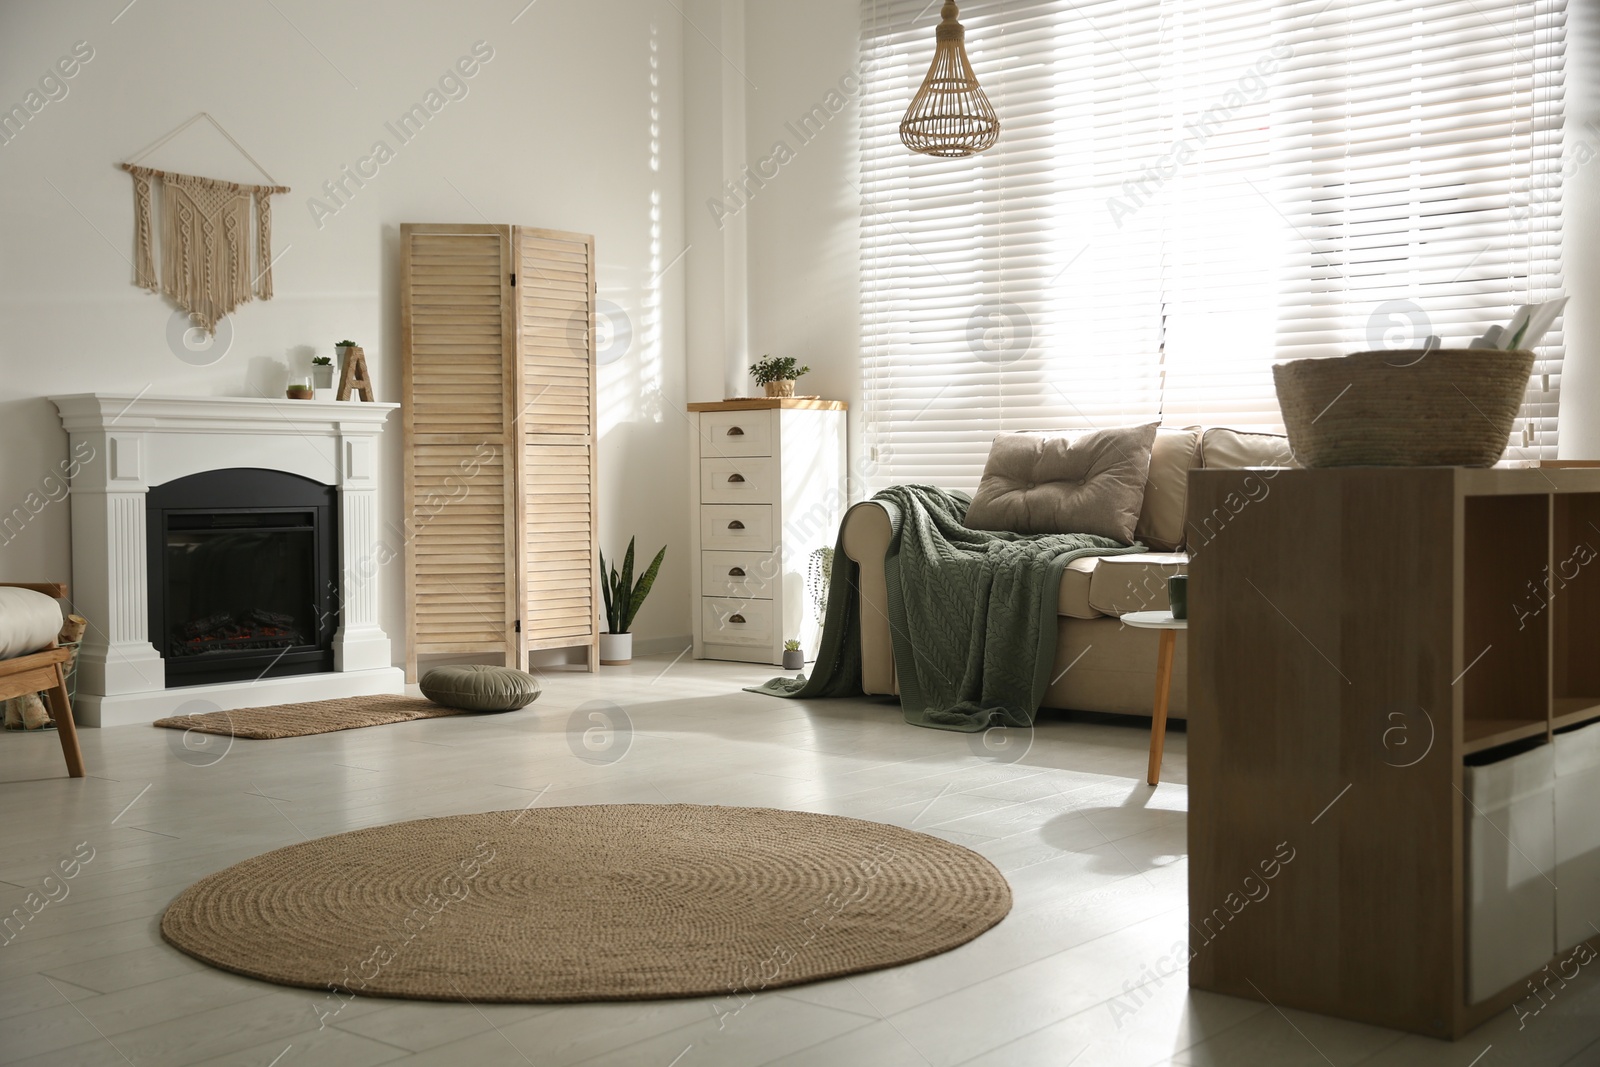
[(794, 660)]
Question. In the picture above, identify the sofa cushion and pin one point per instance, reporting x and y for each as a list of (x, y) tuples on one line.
[(1166, 493), (1221, 447), (1097, 586), (1135, 582), (1037, 483), (1075, 584)]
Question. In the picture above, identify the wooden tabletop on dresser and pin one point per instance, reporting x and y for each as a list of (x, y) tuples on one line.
[(765, 403)]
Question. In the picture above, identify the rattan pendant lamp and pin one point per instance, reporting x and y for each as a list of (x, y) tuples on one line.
[(950, 116)]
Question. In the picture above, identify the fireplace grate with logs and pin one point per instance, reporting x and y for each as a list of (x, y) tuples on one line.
[(251, 629)]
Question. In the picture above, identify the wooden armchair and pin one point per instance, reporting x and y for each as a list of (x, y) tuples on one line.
[(42, 672)]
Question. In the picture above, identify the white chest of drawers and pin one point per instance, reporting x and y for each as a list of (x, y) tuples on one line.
[(769, 491)]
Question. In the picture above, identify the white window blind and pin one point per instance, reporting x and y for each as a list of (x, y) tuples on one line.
[(1185, 191)]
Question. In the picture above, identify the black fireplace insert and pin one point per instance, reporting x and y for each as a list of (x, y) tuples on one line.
[(243, 575)]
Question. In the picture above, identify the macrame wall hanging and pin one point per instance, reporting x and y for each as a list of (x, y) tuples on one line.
[(206, 263)]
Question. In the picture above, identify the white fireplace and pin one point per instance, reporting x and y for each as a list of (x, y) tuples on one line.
[(125, 443)]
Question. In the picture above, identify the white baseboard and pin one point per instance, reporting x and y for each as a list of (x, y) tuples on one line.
[(127, 709), (642, 646), (661, 646)]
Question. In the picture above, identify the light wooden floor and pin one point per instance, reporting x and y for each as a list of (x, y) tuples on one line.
[(1077, 975)]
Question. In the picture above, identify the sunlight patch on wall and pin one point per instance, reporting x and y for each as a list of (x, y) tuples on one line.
[(629, 354)]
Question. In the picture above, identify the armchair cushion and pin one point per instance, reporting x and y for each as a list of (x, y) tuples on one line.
[(1037, 483), (29, 621)]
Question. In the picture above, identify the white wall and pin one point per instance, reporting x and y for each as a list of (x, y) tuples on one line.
[(568, 126), (718, 308), (793, 212), (1580, 377), (805, 291)]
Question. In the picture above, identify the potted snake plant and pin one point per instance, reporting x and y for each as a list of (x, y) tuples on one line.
[(623, 597)]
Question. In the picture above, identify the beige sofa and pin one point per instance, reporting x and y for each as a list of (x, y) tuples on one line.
[(1100, 664)]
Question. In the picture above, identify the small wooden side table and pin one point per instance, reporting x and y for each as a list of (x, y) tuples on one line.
[(1169, 627)]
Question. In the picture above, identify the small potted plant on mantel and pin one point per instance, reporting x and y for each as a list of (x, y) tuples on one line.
[(623, 598), (322, 372), (777, 375)]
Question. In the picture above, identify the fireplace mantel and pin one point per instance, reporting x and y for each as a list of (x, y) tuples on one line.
[(124, 443)]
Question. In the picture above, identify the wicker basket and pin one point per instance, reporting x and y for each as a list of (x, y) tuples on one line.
[(1450, 407), (70, 670)]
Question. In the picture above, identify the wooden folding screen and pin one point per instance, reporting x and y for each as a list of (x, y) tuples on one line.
[(499, 418), (556, 429)]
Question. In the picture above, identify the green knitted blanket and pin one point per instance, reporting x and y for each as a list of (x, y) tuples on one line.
[(972, 615)]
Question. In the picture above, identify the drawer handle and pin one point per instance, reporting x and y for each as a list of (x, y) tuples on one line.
[(736, 617), (735, 431), (735, 477), (737, 572), (735, 525)]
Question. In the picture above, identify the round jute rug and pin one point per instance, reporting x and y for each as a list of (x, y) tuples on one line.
[(604, 902)]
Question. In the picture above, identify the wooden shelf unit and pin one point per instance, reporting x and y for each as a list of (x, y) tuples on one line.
[(1480, 735), (1574, 711), (1574, 581), (1355, 636)]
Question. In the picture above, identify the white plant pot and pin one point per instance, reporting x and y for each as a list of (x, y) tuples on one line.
[(322, 380), (616, 650)]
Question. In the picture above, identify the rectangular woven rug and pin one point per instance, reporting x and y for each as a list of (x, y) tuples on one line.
[(313, 717)]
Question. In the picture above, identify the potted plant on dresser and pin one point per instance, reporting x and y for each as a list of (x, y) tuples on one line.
[(623, 598), (777, 375)]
